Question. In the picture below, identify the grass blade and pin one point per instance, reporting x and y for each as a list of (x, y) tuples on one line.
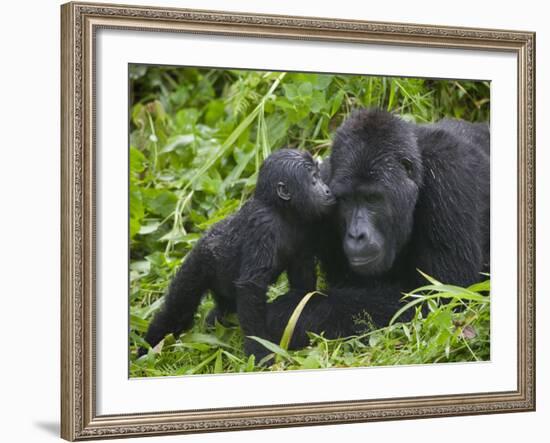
[(432, 280), (276, 349), (447, 291), (291, 325)]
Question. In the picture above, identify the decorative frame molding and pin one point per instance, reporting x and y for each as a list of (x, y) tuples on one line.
[(79, 21)]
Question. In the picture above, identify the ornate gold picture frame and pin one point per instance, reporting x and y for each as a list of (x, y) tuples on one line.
[(80, 23)]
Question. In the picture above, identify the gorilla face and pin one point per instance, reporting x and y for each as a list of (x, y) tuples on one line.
[(361, 214), (290, 179), (375, 177), (310, 195)]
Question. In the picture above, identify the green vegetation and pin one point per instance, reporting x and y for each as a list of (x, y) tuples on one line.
[(198, 138)]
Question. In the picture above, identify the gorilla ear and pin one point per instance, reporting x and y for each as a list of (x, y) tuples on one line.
[(407, 164), (282, 191)]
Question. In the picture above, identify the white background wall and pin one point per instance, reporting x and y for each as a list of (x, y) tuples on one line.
[(29, 218)]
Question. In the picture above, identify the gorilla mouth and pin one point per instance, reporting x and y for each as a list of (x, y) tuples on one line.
[(329, 201), (361, 261), (326, 206)]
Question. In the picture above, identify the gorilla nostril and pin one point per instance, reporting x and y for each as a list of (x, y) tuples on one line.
[(357, 236)]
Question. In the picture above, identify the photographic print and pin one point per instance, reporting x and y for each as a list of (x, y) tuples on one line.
[(273, 221), (297, 221)]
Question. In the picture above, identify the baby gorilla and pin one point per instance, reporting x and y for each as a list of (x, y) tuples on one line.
[(239, 257)]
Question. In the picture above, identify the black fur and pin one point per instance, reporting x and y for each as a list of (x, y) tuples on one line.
[(239, 257), (409, 197)]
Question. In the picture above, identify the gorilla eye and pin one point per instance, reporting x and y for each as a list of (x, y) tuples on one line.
[(407, 164), (373, 197), (344, 198)]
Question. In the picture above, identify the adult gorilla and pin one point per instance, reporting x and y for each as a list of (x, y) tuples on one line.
[(410, 197)]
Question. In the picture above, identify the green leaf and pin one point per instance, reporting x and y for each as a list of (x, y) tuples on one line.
[(250, 366), (209, 184), (218, 365), (137, 161), (141, 266), (484, 286), (322, 82), (374, 339), (318, 101), (169, 340), (134, 227), (180, 140), (136, 203), (337, 102), (291, 91), (215, 111), (276, 349), (305, 89), (136, 210), (443, 319), (149, 228), (201, 347), (138, 324), (449, 291), (312, 361), (291, 325), (204, 338), (239, 169), (456, 294), (187, 118), (202, 364), (432, 280), (407, 331), (160, 201)]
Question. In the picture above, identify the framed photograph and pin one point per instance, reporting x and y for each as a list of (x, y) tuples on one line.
[(282, 221)]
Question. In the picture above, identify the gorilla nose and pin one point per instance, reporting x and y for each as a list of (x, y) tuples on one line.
[(357, 243), (329, 198), (357, 237), (360, 245)]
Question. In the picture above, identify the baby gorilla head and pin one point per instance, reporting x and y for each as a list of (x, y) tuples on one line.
[(290, 180)]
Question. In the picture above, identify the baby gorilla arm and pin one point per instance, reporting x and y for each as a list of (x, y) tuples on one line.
[(251, 310), (301, 273), (258, 270)]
